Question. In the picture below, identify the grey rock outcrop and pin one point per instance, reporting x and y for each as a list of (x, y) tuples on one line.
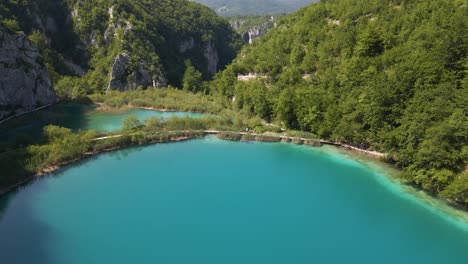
[(24, 83), (118, 77), (122, 78), (251, 32), (212, 57), (115, 26), (187, 45), (209, 52)]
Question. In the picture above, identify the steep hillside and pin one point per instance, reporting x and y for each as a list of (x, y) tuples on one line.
[(387, 75), (254, 7), (121, 45)]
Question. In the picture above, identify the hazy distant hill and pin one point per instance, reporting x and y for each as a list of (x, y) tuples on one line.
[(254, 7)]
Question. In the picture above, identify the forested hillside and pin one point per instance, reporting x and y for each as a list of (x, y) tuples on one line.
[(254, 7), (388, 75), (120, 45)]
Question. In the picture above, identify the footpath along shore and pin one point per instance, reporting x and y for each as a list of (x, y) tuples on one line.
[(246, 136)]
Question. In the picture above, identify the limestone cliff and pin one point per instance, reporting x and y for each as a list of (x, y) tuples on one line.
[(210, 53), (122, 78), (24, 82), (253, 27)]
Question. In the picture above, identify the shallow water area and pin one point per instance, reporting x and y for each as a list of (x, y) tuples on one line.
[(212, 201), (389, 177)]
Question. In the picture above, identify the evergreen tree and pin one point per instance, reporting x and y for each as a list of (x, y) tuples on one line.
[(192, 80)]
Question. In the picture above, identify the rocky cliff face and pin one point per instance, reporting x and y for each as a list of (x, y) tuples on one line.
[(24, 83), (253, 27), (253, 33), (123, 79), (210, 53)]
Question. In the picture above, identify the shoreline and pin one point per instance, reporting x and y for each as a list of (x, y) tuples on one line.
[(105, 108), (433, 203), (388, 177), (55, 167), (223, 135), (236, 136), (240, 136)]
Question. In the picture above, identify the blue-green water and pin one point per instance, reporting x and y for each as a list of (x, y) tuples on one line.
[(210, 201), (76, 117)]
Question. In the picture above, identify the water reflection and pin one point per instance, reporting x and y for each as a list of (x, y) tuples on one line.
[(122, 154), (29, 127)]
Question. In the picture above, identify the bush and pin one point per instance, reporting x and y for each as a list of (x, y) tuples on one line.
[(115, 102), (11, 25)]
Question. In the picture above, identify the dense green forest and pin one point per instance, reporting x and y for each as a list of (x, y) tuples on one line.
[(254, 7), (388, 75), (90, 35)]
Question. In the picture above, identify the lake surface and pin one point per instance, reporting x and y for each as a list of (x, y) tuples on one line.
[(76, 117), (211, 201)]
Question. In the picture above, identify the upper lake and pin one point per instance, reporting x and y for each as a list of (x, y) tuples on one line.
[(77, 117), (211, 201)]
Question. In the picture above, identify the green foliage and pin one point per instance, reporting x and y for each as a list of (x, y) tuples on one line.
[(131, 123), (163, 99), (369, 43), (11, 24), (457, 191), (56, 133), (387, 75), (192, 80), (53, 61), (73, 88)]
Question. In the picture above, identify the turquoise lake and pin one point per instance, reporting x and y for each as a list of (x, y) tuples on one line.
[(210, 201), (76, 117)]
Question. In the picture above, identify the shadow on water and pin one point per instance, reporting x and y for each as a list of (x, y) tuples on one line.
[(124, 153), (29, 127), (22, 235), (3, 204)]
